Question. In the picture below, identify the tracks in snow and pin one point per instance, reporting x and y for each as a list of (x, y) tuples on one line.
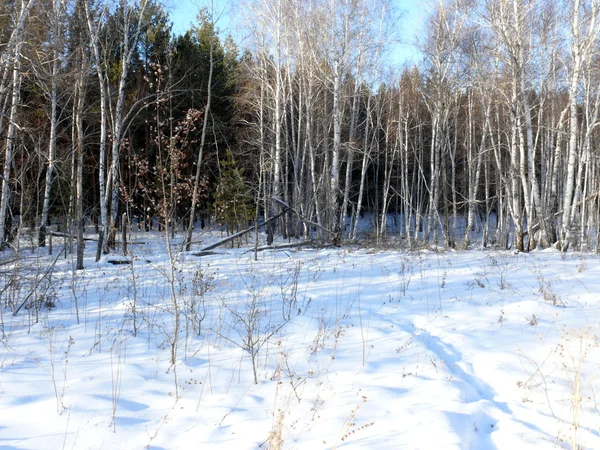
[(482, 412)]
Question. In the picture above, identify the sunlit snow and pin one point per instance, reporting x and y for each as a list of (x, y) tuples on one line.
[(362, 348)]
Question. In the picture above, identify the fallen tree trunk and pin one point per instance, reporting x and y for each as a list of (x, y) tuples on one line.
[(310, 243), (285, 209), (238, 234), (67, 235)]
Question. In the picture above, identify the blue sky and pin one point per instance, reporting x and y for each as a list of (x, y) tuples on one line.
[(183, 14)]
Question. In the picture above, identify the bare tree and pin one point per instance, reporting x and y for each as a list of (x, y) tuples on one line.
[(12, 62), (584, 30), (57, 30), (440, 48)]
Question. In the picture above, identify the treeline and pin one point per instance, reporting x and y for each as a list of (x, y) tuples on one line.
[(492, 136), (103, 114)]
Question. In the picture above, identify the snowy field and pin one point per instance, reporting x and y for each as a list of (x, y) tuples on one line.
[(302, 349)]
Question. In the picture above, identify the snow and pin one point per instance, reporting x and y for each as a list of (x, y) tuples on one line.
[(353, 348)]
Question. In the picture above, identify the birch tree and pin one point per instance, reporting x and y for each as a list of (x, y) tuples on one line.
[(55, 16), (584, 29), (133, 18), (440, 49), (12, 64), (94, 19)]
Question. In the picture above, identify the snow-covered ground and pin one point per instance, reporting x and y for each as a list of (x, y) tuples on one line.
[(352, 348)]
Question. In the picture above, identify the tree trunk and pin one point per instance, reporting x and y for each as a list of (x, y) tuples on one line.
[(12, 126), (78, 119), (195, 194)]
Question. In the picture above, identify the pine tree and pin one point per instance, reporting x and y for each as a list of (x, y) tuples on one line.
[(233, 199)]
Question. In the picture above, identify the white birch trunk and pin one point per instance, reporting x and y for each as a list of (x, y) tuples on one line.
[(56, 16), (129, 47), (93, 34), (582, 42), (12, 126), (78, 119), (337, 141), (363, 170)]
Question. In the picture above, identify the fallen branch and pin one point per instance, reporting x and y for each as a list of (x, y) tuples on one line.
[(296, 245), (202, 253), (238, 234), (118, 262), (67, 235)]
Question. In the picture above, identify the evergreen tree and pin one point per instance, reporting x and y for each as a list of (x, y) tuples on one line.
[(233, 199)]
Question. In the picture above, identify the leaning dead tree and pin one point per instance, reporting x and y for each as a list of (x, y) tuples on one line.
[(239, 234)]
